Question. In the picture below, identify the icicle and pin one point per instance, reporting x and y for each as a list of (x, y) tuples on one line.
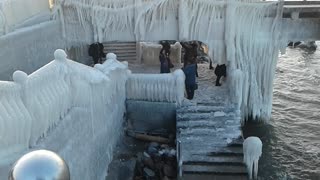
[(252, 150)]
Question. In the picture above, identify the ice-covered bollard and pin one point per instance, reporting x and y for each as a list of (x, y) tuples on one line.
[(60, 55), (40, 164), (19, 77), (112, 56), (180, 85), (252, 150)]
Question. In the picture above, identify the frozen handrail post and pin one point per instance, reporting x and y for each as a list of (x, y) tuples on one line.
[(112, 56), (60, 55), (252, 150), (19, 77)]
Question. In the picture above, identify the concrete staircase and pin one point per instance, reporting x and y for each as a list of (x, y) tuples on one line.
[(125, 51), (210, 142)]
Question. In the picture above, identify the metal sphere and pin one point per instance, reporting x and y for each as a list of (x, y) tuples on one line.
[(40, 165)]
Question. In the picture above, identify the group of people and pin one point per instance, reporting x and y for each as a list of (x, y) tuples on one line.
[(190, 67)]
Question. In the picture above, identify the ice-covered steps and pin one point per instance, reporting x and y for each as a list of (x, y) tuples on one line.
[(210, 139)]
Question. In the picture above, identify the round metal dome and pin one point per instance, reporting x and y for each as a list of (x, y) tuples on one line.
[(40, 165)]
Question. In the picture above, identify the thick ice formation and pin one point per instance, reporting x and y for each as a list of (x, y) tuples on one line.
[(252, 150), (244, 34), (14, 12), (103, 20), (252, 45), (157, 87), (205, 21), (15, 120), (61, 92)]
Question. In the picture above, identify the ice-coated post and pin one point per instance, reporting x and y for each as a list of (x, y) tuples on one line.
[(180, 85), (21, 78), (60, 55), (252, 150), (111, 56), (40, 164)]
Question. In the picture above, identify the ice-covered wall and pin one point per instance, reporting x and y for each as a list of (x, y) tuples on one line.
[(15, 12), (27, 49), (157, 87), (124, 20), (66, 107)]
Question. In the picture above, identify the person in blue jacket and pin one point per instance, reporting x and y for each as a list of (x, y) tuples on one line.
[(190, 71), (164, 62)]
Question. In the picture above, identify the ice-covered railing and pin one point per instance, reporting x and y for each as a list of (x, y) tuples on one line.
[(15, 119), (48, 96), (157, 87), (32, 105)]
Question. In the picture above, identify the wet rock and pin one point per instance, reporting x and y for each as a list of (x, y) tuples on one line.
[(172, 153), (147, 161), (165, 178), (146, 155), (169, 171), (148, 172), (154, 144), (152, 150), (164, 146)]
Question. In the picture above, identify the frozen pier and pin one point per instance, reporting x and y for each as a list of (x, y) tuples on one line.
[(209, 136)]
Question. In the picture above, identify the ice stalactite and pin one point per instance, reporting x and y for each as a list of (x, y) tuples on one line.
[(203, 20), (252, 45), (252, 150), (150, 14), (101, 18)]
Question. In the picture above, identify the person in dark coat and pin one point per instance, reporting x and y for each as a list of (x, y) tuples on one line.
[(96, 52), (164, 62), (221, 70), (166, 50), (190, 72), (191, 53)]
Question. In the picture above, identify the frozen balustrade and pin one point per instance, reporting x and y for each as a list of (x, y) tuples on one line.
[(157, 87), (67, 107)]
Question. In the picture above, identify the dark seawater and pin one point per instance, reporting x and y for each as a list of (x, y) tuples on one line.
[(291, 141)]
